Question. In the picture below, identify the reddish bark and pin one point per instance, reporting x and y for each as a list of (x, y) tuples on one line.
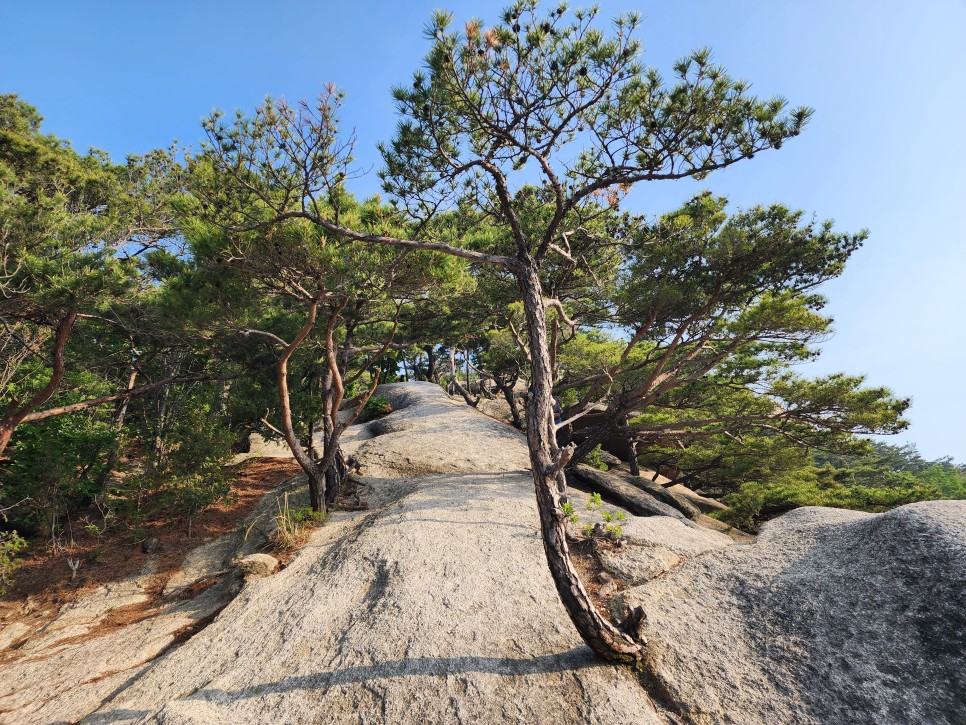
[(15, 414)]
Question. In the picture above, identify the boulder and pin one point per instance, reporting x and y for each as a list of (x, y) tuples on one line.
[(254, 566), (703, 503), (428, 432), (436, 605), (630, 492), (651, 545), (831, 616)]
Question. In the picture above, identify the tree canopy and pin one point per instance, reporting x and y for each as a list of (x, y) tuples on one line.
[(242, 287)]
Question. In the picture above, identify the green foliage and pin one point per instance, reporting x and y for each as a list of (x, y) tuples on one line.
[(886, 477), (322, 309), (949, 481), (570, 512), (189, 494), (304, 515), (85, 246), (292, 525), (57, 464), (187, 465), (530, 87), (66, 222), (378, 405), (59, 218), (610, 529), (519, 140), (595, 458), (11, 544)]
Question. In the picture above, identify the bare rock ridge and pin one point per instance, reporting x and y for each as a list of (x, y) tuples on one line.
[(63, 671), (435, 605)]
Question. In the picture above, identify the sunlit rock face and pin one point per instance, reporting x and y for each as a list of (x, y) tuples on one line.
[(831, 616)]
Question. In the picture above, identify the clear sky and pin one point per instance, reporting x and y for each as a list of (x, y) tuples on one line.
[(886, 149)]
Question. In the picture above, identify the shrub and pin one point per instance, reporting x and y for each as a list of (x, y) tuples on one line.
[(189, 470), (56, 467), (596, 459), (376, 406), (611, 528), (757, 502), (10, 545), (292, 525)]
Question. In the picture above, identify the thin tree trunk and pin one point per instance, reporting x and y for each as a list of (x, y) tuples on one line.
[(431, 373), (507, 390), (122, 411), (224, 395), (6, 432), (311, 468), (547, 462), (555, 331), (424, 372), (454, 375), (313, 451), (332, 465), (14, 415), (482, 377), (335, 474), (159, 446), (118, 426), (632, 460)]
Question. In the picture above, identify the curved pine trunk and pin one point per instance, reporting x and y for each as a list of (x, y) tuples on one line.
[(313, 471), (336, 471), (611, 643), (14, 415), (456, 381), (507, 390)]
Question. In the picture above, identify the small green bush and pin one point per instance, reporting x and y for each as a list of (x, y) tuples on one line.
[(292, 525), (756, 502), (610, 530), (191, 475), (11, 543), (595, 459), (376, 406)]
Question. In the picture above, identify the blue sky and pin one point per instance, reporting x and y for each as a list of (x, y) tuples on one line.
[(886, 149)]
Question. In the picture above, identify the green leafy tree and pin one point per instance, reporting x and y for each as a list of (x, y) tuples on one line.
[(59, 463), (186, 469), (334, 302), (73, 230), (56, 258), (715, 310), (530, 127), (762, 474), (549, 96)]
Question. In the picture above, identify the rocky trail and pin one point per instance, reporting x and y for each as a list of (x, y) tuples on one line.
[(435, 605)]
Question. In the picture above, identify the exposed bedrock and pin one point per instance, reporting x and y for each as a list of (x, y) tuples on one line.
[(831, 616), (436, 605)]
